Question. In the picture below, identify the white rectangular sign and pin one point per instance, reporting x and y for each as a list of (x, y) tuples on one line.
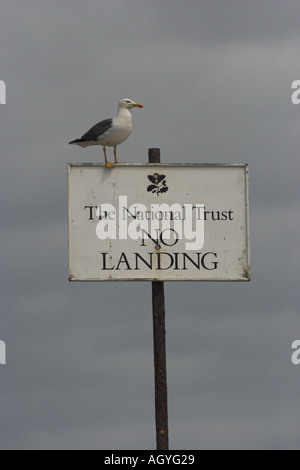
[(166, 222)]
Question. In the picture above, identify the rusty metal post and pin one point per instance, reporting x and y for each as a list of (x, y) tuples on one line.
[(159, 345)]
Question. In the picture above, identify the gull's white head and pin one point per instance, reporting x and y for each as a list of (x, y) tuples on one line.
[(128, 104)]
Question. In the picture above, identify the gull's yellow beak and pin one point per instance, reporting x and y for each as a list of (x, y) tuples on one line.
[(137, 105)]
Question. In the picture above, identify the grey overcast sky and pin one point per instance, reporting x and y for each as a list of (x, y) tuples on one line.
[(215, 79)]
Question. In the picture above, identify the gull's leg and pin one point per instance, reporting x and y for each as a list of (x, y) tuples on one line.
[(115, 153), (108, 164)]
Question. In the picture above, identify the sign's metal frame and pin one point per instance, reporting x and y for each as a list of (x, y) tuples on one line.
[(246, 276)]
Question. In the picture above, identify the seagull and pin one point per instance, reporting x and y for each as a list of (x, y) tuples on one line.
[(110, 132)]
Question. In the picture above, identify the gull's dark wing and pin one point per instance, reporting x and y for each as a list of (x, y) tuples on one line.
[(95, 132)]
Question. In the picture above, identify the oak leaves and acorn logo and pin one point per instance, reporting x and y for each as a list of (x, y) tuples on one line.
[(159, 184)]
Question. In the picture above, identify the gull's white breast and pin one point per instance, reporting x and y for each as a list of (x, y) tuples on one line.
[(119, 132)]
